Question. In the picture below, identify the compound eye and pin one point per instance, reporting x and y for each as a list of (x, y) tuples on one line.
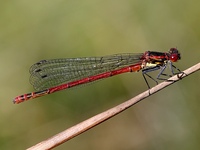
[(173, 57)]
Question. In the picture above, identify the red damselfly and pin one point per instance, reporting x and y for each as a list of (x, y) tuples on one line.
[(49, 76)]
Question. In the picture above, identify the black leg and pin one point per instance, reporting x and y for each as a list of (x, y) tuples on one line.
[(179, 73), (161, 73), (145, 72)]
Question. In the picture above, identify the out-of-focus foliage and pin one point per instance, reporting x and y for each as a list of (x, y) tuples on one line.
[(35, 30)]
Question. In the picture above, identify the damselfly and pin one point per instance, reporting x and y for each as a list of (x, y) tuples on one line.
[(49, 76)]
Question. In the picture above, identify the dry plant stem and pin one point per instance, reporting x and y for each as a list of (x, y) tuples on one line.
[(91, 122)]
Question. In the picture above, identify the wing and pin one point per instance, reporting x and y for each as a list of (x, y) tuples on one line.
[(53, 72)]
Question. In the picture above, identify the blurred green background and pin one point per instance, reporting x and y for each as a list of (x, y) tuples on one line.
[(35, 30)]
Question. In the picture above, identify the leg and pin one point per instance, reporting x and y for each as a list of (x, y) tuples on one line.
[(145, 72), (178, 73), (172, 68)]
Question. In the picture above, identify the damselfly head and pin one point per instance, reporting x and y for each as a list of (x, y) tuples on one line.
[(174, 55)]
